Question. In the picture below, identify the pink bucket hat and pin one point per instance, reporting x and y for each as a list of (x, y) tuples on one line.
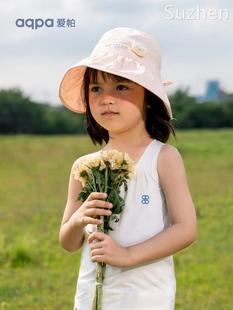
[(122, 51)]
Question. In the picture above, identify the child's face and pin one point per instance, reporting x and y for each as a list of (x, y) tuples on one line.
[(125, 99)]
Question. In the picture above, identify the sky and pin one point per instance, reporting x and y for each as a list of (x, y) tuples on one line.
[(196, 40)]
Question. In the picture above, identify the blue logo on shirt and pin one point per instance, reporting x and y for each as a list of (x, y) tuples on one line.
[(145, 199)]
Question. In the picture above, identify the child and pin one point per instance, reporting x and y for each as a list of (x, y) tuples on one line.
[(120, 90)]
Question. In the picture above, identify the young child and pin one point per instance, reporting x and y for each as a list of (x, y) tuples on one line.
[(120, 91)]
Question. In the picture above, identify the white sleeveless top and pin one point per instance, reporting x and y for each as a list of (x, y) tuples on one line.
[(148, 286)]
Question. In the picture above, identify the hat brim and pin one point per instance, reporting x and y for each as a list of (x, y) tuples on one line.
[(71, 87)]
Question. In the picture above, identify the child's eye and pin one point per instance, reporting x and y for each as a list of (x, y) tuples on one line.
[(94, 89), (122, 87)]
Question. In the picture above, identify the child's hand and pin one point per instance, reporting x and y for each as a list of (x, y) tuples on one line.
[(93, 206), (108, 251)]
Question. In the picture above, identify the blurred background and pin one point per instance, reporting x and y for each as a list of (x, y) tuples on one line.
[(40, 139)]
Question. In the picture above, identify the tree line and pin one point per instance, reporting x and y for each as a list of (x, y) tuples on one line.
[(20, 114)]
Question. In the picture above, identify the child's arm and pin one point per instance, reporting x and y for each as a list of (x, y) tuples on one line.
[(78, 214), (180, 207), (71, 236)]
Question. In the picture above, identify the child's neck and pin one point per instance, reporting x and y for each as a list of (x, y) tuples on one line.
[(134, 148)]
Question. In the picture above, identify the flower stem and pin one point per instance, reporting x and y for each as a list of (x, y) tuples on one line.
[(100, 267), (93, 178)]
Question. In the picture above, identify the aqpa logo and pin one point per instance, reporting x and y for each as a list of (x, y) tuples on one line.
[(35, 23)]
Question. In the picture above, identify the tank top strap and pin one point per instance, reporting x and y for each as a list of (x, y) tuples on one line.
[(150, 159)]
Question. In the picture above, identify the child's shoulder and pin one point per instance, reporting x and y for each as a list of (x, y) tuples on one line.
[(170, 160), (169, 151), (169, 154)]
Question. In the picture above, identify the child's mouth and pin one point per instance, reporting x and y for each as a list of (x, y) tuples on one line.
[(109, 113)]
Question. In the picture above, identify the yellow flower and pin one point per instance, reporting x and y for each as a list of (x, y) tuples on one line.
[(119, 160), (114, 159), (81, 171), (94, 162), (102, 165), (82, 181)]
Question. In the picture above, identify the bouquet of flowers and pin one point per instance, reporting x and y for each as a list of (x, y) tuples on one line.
[(105, 172)]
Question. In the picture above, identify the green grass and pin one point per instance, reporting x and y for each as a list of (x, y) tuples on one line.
[(36, 273)]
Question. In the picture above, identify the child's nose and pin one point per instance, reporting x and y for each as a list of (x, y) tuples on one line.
[(108, 98)]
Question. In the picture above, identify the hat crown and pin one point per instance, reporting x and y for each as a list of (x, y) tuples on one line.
[(138, 42)]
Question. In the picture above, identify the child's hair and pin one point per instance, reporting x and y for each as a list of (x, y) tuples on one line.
[(157, 122)]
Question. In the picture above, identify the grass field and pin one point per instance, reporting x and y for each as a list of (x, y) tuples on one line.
[(36, 273)]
